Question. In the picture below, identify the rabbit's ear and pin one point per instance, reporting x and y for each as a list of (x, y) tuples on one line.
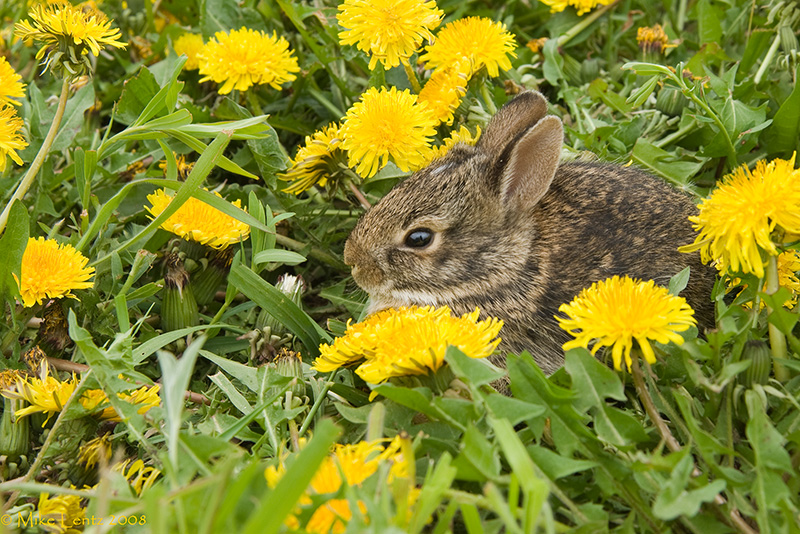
[(511, 120), (531, 164)]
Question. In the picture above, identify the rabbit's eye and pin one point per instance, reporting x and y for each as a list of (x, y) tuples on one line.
[(419, 238)]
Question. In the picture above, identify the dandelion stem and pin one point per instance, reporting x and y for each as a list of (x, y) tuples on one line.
[(777, 340), (649, 407), (583, 24), (412, 78), (44, 150)]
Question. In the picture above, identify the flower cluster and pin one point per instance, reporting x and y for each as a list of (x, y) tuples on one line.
[(44, 393), (408, 341), (96, 401), (195, 220), (348, 465), (389, 125), (614, 312)]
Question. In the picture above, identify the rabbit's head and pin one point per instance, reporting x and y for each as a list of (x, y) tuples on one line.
[(461, 226)]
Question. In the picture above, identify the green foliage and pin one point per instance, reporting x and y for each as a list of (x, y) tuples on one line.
[(576, 451)]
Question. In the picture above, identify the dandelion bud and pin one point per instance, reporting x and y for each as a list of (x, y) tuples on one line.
[(206, 281), (759, 354), (178, 305)]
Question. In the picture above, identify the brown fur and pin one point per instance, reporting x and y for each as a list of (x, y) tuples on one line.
[(517, 234)]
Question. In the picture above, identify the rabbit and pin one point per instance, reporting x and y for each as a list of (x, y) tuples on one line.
[(504, 227)]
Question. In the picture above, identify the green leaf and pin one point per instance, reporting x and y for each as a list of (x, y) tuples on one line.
[(268, 516), (432, 492), (285, 257), (475, 371), (646, 69), (138, 93), (243, 373), (555, 465), (175, 377), (781, 317), (641, 94), (279, 306), (515, 410), (13, 243), (73, 121), (665, 164), (617, 427), (676, 500), (479, 453), (592, 382), (679, 282), (709, 19)]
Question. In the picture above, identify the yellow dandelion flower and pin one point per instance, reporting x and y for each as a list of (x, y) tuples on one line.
[(94, 399), (190, 45), (11, 139), (615, 311), (62, 513), (460, 136), (409, 341), (51, 270), (583, 6), (444, 90), (480, 41), (536, 45), (788, 269), (44, 394), (347, 465), (386, 125), (737, 220), (11, 85), (246, 57), (198, 221), (316, 161), (90, 452), (68, 34), (652, 39), (390, 31), (138, 475)]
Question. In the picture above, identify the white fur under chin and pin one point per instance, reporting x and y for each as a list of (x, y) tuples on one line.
[(404, 297)]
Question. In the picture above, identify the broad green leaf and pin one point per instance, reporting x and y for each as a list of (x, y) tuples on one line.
[(230, 391), (478, 451), (709, 20), (592, 382), (138, 94), (676, 499), (665, 164), (515, 410), (679, 282), (781, 317), (618, 427), (555, 465), (475, 371)]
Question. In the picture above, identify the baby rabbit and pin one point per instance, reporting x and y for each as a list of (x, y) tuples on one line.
[(504, 227)]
